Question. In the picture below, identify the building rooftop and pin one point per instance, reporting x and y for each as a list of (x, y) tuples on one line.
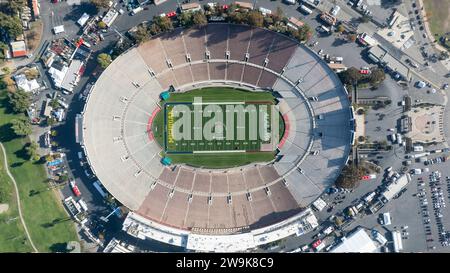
[(358, 241), (18, 49)]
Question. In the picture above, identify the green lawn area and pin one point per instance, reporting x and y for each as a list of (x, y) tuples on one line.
[(216, 160), (221, 160), (44, 214), (12, 234), (439, 16)]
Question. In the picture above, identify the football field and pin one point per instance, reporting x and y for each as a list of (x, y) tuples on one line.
[(227, 127), (232, 133)]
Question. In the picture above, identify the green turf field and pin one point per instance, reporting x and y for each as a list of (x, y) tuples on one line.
[(226, 153), (245, 143)]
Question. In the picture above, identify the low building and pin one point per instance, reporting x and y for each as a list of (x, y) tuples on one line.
[(397, 239), (35, 7), (380, 55), (319, 204), (190, 7), (83, 19), (395, 187), (57, 73), (58, 29), (18, 49), (337, 67), (116, 246), (244, 5), (110, 17), (294, 23), (359, 242), (367, 40), (328, 18), (25, 84), (72, 76)]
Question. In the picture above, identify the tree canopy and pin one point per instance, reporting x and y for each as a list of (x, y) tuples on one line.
[(255, 18), (104, 60), (11, 24), (21, 126), (199, 19), (350, 177), (19, 100), (350, 76)]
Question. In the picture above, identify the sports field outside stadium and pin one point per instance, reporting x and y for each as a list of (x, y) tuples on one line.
[(238, 140)]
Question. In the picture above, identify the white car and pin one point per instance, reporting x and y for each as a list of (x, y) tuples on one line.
[(335, 10)]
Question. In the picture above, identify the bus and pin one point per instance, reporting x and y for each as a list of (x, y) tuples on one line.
[(97, 186)]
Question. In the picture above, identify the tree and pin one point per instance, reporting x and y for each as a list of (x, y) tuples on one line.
[(103, 60), (51, 121), (377, 76), (11, 24), (341, 28), (164, 23), (365, 18), (199, 19), (185, 19), (255, 18), (350, 76), (303, 33), (236, 17), (101, 24), (14, 6), (21, 126), (278, 15), (19, 100), (141, 35), (100, 3), (54, 103), (350, 177), (31, 150), (352, 37), (49, 158)]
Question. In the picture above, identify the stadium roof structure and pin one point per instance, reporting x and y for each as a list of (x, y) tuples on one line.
[(181, 199)]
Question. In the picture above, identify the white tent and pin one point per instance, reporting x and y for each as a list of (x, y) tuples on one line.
[(359, 241), (82, 21), (58, 29)]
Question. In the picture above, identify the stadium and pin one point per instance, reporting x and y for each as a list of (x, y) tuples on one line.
[(203, 195)]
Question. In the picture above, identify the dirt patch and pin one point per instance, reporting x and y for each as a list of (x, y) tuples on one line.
[(4, 208), (34, 35), (438, 14)]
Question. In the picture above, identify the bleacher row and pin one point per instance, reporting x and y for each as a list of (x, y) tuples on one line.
[(127, 161), (185, 56)]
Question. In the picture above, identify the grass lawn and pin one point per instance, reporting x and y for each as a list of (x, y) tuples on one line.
[(438, 12), (47, 221), (12, 234), (221, 160), (216, 160)]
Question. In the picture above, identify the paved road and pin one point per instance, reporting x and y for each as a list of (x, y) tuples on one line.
[(19, 207)]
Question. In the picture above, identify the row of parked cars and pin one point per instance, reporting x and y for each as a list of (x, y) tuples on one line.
[(435, 160)]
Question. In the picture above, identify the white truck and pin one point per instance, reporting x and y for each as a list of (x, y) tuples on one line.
[(305, 9), (418, 148), (136, 10)]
